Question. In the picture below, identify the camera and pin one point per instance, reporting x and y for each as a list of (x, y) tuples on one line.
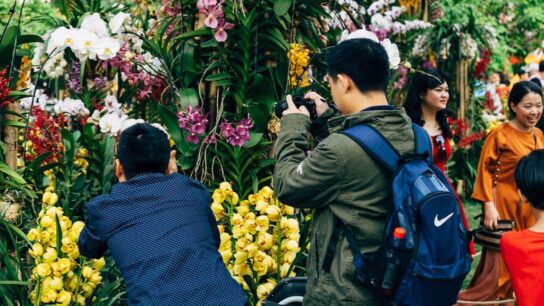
[(299, 101)]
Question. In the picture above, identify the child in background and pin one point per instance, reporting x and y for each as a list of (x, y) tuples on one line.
[(523, 251)]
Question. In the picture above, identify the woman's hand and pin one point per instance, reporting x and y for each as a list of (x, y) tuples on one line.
[(491, 216)]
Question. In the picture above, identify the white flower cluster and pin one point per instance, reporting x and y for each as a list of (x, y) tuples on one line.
[(112, 120), (420, 46), (94, 39), (409, 25), (55, 66), (490, 36), (469, 46), (71, 107), (41, 100), (445, 47), (392, 50), (377, 6)]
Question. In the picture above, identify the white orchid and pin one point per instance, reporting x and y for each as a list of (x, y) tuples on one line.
[(130, 122), (71, 106), (84, 43), (93, 23), (379, 21), (118, 21), (112, 104), (392, 53), (106, 48), (60, 39), (392, 50), (362, 33), (111, 123)]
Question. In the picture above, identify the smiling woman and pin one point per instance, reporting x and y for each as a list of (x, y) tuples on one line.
[(496, 189)]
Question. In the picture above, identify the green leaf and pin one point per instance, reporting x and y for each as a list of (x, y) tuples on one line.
[(10, 282), (189, 96), (263, 92), (14, 123), (195, 33), (4, 168), (281, 7), (16, 95), (28, 39), (254, 139), (17, 231), (218, 76), (59, 235)]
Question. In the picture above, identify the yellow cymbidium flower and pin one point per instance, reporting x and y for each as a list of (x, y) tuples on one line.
[(43, 270), (50, 255), (64, 298), (48, 295), (36, 251), (33, 234)]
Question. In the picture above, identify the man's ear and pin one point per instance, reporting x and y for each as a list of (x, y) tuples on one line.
[(119, 172), (346, 82), (172, 163)]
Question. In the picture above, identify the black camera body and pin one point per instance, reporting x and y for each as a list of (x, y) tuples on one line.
[(299, 101)]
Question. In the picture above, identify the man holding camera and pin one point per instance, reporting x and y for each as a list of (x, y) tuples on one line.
[(339, 179)]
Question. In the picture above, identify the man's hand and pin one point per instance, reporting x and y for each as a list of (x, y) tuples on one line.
[(320, 105), (292, 109)]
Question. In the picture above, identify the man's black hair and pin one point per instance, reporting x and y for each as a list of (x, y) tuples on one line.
[(530, 178), (143, 148), (363, 60)]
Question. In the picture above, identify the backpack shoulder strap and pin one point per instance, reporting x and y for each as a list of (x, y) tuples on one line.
[(374, 144), (423, 142)]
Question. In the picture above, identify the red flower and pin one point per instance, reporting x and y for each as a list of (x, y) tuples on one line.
[(4, 89)]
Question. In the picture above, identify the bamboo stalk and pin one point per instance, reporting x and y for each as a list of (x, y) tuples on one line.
[(10, 137)]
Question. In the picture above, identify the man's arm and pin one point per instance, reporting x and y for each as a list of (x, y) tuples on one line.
[(89, 243), (302, 181)]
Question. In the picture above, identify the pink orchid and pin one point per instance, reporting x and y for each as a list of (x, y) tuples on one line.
[(213, 16), (210, 139), (193, 138), (221, 33)]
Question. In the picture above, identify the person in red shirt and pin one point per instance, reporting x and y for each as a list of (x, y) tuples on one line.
[(522, 250)]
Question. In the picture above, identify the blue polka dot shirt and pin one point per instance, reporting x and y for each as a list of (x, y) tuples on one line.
[(163, 236)]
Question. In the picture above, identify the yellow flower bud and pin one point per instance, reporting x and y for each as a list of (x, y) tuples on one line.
[(284, 269), (225, 186), (242, 210), (251, 249), (74, 254), (87, 290), (44, 236), (217, 209), (96, 278), (43, 270), (55, 283), (265, 240), (69, 247), (240, 257), (261, 206), (288, 210), (47, 221), (288, 257), (237, 219), (252, 199), (48, 295), (262, 223), (260, 267), (71, 284), (218, 196), (64, 298), (46, 197), (273, 212), (54, 211), (78, 226), (33, 234), (73, 235), (36, 251), (98, 264), (64, 265), (50, 255), (289, 245), (266, 191), (80, 300), (226, 254), (87, 272), (32, 295), (54, 199), (234, 198), (251, 226)]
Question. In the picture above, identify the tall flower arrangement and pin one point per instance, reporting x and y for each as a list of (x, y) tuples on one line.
[(259, 238), (59, 274)]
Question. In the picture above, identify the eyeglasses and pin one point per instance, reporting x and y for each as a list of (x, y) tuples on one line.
[(441, 143)]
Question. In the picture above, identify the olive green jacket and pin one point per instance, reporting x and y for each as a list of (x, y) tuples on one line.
[(338, 178)]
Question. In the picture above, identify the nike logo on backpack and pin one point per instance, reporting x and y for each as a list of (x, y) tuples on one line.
[(439, 223)]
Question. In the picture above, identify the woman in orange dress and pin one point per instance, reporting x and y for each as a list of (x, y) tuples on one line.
[(496, 189)]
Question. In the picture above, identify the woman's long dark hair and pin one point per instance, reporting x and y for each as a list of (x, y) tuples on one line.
[(421, 82)]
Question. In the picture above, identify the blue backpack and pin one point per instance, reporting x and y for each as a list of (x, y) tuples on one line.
[(429, 265)]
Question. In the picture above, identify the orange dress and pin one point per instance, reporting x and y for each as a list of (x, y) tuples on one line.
[(495, 182)]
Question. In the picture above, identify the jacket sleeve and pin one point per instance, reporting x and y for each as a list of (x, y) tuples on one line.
[(483, 186), (300, 181), (89, 243), (319, 127)]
